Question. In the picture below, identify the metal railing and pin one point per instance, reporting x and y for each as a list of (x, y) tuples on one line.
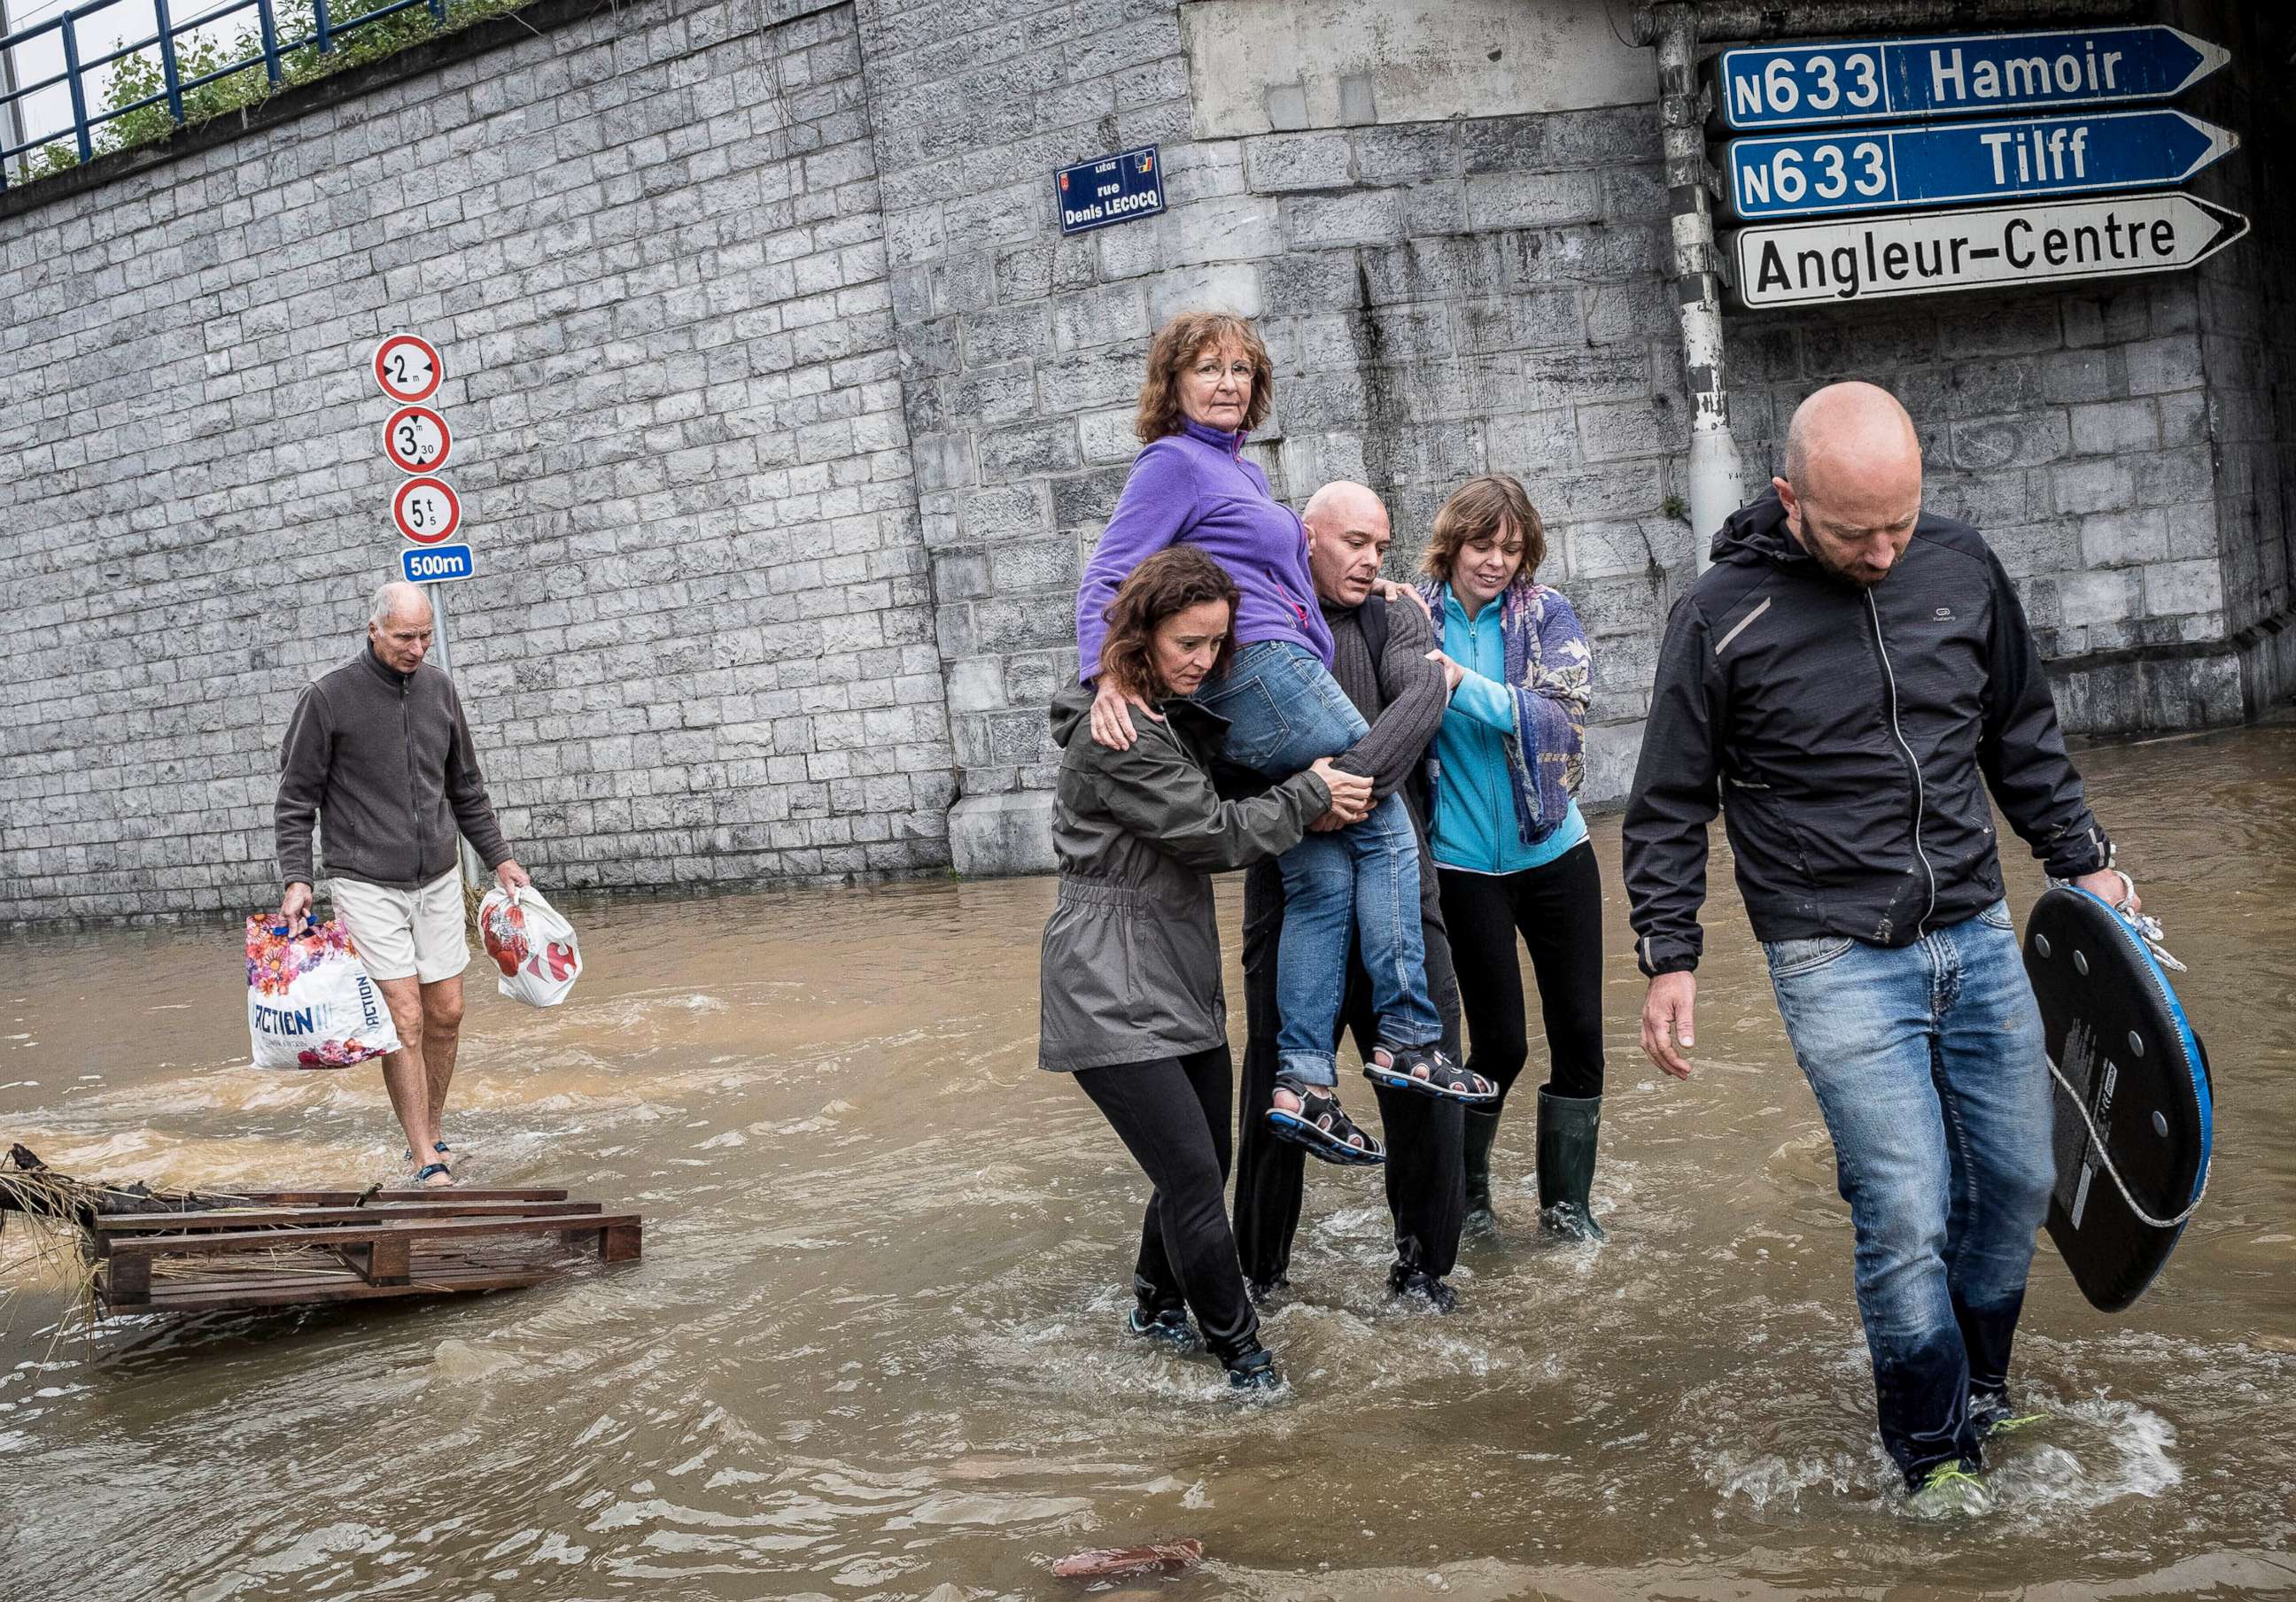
[(326, 33)]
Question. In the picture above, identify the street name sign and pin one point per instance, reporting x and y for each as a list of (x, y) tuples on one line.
[(1881, 80), (1123, 188), (416, 439), (408, 368), (437, 564), (427, 511), (1990, 247), (1878, 169)]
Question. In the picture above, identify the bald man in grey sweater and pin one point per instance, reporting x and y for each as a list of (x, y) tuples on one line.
[(1380, 640)]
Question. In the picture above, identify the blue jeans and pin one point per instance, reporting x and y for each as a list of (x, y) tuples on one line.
[(1284, 710), (1931, 1071)]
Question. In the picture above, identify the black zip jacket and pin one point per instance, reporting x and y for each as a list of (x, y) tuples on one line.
[(1842, 732)]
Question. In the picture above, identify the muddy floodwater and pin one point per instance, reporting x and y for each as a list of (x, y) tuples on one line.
[(872, 1349)]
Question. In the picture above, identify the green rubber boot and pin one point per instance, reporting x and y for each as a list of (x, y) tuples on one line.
[(1567, 1128), (1482, 1128)]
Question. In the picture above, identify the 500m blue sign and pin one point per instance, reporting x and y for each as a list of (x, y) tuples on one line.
[(436, 564), (1879, 80), (1872, 169)]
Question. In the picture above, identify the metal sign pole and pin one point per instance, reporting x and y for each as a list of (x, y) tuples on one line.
[(474, 872)]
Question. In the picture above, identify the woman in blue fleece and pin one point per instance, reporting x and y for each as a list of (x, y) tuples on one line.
[(1510, 846), (1209, 384)]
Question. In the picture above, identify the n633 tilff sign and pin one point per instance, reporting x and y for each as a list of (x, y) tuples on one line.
[(1980, 247)]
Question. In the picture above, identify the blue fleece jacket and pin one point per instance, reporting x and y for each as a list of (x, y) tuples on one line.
[(1474, 826)]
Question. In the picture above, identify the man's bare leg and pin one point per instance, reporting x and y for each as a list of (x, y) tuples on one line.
[(442, 1037), (404, 1074)]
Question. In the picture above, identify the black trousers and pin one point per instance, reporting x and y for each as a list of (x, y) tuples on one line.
[(1557, 909), (1171, 1114), (1425, 1171)]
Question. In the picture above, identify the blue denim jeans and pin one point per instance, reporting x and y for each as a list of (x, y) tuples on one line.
[(1931, 1071), (1284, 710)]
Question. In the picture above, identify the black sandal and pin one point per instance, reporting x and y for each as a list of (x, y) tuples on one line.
[(1323, 1127), (1441, 1077)]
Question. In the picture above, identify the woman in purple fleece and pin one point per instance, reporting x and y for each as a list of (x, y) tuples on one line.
[(1209, 384)]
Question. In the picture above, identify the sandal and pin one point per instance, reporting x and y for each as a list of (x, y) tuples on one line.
[(1425, 1070), (430, 1172), (1323, 1127), (446, 1154)]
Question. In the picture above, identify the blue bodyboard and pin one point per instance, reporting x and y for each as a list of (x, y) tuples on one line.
[(2127, 1055)]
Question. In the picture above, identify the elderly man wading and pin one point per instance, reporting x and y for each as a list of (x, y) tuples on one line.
[(379, 750), (1850, 677)]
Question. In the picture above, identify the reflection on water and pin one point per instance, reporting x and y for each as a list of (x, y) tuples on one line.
[(872, 1349)]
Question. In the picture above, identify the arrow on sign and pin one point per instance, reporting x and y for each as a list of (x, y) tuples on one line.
[(1991, 246), (1877, 80), (1876, 169)]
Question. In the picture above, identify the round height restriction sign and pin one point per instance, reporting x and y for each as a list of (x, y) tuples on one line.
[(426, 511), (408, 368), (416, 439)]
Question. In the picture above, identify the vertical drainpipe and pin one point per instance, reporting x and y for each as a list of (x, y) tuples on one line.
[(1715, 488)]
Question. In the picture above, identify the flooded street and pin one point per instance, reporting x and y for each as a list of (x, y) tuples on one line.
[(873, 1348)]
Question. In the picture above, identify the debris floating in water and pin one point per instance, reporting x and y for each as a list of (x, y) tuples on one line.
[(1130, 1560)]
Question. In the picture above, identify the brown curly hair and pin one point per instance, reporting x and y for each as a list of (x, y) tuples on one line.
[(1169, 582), (1178, 343), (1483, 507)]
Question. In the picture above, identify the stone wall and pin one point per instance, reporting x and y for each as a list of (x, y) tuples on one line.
[(1442, 295), (649, 244)]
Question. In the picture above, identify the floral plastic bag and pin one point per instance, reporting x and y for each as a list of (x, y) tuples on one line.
[(532, 944), (310, 1003)]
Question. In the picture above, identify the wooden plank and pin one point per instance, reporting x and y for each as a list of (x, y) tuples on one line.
[(418, 1193), (388, 1261), (443, 1228), (619, 1242), (195, 1296), (127, 1282), (161, 1224)]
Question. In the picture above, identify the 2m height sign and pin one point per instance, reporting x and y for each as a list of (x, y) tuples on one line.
[(1883, 80)]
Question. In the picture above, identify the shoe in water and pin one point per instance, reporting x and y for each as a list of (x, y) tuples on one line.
[(1950, 1490), (1992, 1415), (1255, 1371), (1418, 1282), (1169, 1327)]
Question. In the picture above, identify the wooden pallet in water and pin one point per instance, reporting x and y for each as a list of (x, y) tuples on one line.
[(286, 1247)]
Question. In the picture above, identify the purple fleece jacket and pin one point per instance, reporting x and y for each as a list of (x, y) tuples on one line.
[(1195, 486)]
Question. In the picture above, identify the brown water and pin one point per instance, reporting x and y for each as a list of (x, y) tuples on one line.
[(871, 1350)]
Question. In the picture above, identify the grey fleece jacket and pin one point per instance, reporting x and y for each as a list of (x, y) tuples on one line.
[(387, 758)]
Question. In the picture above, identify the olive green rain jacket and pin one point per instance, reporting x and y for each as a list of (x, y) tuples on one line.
[(1131, 956)]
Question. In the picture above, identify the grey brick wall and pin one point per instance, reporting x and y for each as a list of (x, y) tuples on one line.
[(650, 246), (1440, 298)]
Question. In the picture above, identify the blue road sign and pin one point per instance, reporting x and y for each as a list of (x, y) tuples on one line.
[(1879, 80), (436, 564), (1123, 188), (1876, 169)]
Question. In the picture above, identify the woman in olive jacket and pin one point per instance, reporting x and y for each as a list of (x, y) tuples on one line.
[(1131, 997)]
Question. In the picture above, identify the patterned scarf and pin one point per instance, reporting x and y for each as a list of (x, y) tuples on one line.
[(1550, 670)]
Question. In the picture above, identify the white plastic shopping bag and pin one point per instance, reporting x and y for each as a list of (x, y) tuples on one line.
[(310, 1002), (532, 944)]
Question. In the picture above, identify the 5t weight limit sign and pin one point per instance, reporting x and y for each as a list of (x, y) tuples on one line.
[(427, 511)]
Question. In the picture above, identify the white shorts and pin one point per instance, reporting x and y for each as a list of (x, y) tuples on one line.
[(402, 934)]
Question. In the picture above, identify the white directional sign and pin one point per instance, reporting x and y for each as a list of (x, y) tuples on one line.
[(1868, 258)]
